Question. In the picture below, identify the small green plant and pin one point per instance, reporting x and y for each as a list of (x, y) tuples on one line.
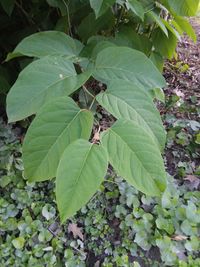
[(56, 144), (31, 235)]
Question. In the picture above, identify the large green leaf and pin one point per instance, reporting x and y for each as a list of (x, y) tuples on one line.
[(127, 64), (164, 45), (184, 7), (159, 21), (91, 26), (172, 29), (39, 82), (101, 6), (58, 123), (135, 157), (47, 43), (136, 7), (80, 173), (126, 36), (124, 100), (186, 27)]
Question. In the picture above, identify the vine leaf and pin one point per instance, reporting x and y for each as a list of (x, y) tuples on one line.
[(58, 123), (80, 172), (135, 156)]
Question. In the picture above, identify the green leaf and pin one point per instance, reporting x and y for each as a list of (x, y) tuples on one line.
[(192, 213), (91, 26), (124, 100), (80, 173), (101, 6), (94, 46), (184, 7), (59, 4), (92, 42), (127, 64), (47, 43), (18, 242), (185, 25), (8, 6), (157, 60), (159, 21), (48, 212), (165, 224), (135, 157), (58, 123), (172, 30), (126, 36), (101, 46), (159, 94), (164, 45), (39, 82), (193, 244), (136, 7)]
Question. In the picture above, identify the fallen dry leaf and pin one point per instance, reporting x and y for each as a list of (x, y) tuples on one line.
[(179, 93), (96, 136), (191, 178), (179, 237), (75, 230), (194, 181)]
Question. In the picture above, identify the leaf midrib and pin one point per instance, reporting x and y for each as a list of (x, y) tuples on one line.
[(65, 128), (81, 170), (47, 88), (146, 124), (133, 153)]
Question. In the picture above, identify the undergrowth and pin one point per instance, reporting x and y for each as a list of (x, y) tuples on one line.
[(119, 227)]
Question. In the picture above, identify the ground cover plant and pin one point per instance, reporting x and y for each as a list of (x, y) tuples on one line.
[(98, 82)]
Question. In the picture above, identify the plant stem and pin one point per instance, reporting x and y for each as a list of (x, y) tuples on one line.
[(88, 92), (92, 103)]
